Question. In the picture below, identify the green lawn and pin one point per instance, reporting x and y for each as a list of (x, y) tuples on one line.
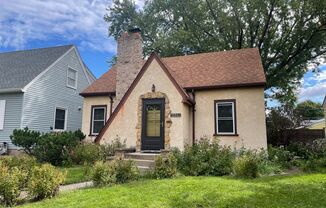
[(75, 174), (193, 192)]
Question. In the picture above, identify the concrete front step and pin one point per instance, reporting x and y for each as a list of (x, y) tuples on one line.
[(141, 156), (144, 161), (144, 169)]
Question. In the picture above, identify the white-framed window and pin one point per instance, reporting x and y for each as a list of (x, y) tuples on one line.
[(60, 119), (2, 113), (98, 119), (72, 78), (225, 117)]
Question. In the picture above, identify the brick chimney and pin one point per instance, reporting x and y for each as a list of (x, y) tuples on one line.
[(129, 60)]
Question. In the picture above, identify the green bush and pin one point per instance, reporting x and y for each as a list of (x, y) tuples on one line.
[(205, 158), (11, 184), (316, 149), (103, 174), (165, 166), (113, 172), (114, 145), (267, 167), (314, 165), (125, 170), (26, 139), (44, 182), (280, 156), (88, 154), (246, 166), (56, 147), (24, 163)]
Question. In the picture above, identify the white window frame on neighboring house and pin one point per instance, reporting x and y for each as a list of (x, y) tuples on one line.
[(2, 114), (72, 78), (93, 108), (218, 103), (65, 121)]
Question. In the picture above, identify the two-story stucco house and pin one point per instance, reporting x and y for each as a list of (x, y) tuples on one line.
[(160, 103), (39, 89)]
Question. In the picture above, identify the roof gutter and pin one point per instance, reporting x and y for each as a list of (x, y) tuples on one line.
[(92, 94), (11, 90)]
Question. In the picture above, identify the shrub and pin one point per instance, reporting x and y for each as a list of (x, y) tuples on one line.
[(246, 166), (44, 181), (300, 150), (88, 154), (116, 171), (280, 156), (103, 174), (25, 138), (205, 158), (267, 167), (56, 147), (125, 170), (23, 163), (114, 145), (165, 166), (314, 165), (11, 184)]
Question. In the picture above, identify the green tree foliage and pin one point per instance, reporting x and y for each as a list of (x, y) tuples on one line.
[(290, 34), (309, 110)]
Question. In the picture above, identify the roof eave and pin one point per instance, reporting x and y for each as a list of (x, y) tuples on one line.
[(11, 90), (94, 94), (212, 87)]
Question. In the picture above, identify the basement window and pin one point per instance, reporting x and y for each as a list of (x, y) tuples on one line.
[(225, 117)]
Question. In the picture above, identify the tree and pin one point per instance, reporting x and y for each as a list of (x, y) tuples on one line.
[(309, 110), (290, 34)]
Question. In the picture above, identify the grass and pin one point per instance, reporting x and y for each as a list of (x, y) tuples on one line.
[(306, 190), (75, 174)]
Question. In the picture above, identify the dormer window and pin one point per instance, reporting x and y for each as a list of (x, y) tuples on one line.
[(72, 78)]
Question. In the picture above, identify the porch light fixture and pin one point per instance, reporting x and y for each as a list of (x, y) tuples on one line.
[(153, 88)]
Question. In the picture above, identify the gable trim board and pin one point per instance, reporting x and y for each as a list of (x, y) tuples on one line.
[(59, 59), (46, 70), (185, 98), (83, 66)]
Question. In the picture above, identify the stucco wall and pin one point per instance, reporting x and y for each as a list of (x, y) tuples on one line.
[(124, 124), (87, 108), (250, 113)]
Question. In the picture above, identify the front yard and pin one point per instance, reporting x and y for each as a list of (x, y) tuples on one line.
[(302, 190), (75, 174)]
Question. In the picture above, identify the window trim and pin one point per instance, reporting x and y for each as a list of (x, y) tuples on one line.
[(91, 133), (2, 128), (66, 118), (234, 116), (67, 77)]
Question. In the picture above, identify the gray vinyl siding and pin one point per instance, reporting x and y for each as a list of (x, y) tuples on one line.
[(51, 91), (12, 116)]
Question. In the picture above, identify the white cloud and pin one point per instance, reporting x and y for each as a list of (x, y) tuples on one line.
[(314, 87), (23, 21)]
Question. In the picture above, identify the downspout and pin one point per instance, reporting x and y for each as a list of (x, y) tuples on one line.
[(193, 117), (111, 104)]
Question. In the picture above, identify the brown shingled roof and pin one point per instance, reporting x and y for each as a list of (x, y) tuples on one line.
[(105, 85), (202, 71)]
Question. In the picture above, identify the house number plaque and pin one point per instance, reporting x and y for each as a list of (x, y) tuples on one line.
[(175, 115)]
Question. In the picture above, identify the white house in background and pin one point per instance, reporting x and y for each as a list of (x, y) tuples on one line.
[(39, 89)]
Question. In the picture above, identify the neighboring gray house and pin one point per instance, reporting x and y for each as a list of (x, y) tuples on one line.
[(40, 88)]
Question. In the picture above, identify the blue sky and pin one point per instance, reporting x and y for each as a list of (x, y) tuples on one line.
[(35, 23)]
